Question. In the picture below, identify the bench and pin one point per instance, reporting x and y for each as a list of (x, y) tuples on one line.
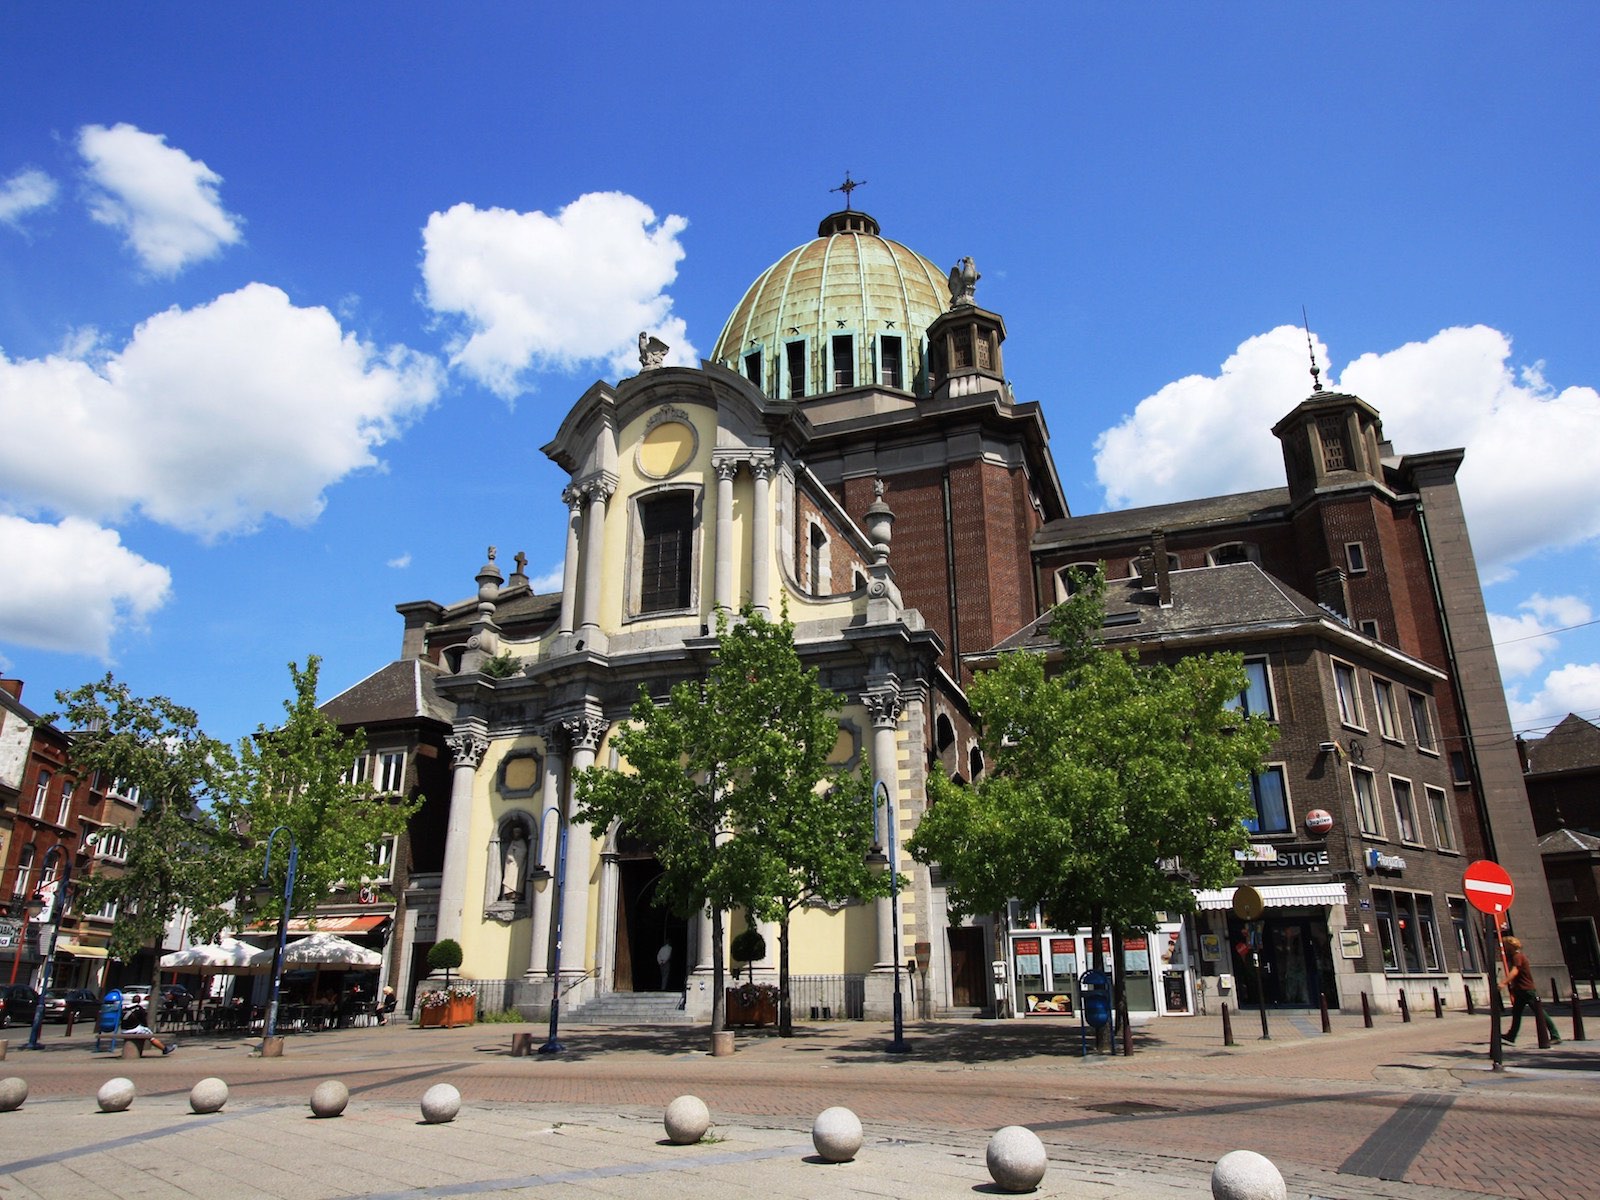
[(134, 1042)]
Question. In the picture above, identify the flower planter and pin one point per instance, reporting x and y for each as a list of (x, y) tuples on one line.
[(450, 1014), (749, 1005)]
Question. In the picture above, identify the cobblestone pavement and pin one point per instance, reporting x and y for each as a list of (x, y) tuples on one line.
[(1401, 1110)]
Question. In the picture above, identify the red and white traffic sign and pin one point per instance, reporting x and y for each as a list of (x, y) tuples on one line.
[(1489, 889)]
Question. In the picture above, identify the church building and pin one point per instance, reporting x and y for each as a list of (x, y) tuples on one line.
[(852, 453)]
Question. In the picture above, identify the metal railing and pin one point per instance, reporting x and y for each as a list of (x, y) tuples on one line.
[(828, 997)]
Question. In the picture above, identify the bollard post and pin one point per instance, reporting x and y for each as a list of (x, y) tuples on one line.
[(1472, 1010), (1538, 1019), (1555, 992), (1577, 1018), (1405, 1010), (1326, 1026), (71, 1017), (1227, 1027), (1366, 1011), (1438, 1005), (1594, 988)]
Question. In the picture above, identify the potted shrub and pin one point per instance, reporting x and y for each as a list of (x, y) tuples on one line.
[(748, 946), (453, 1004)]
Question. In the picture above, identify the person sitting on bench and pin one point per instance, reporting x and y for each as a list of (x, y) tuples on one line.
[(135, 1021)]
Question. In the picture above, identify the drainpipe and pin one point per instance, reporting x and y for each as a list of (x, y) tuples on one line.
[(950, 576)]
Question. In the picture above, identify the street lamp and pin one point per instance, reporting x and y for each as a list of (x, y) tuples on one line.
[(540, 874), (877, 859), (47, 945), (271, 1029)]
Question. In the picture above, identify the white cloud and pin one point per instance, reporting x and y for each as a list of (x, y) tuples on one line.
[(209, 420), (1524, 484), (533, 291), (1574, 688), (29, 190), (164, 202), (71, 586), (1523, 642), (550, 581), (400, 562)]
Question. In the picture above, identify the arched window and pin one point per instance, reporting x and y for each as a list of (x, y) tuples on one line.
[(24, 871), (1233, 552)]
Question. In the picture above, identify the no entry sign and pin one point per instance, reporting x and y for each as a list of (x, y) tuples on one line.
[(1489, 889)]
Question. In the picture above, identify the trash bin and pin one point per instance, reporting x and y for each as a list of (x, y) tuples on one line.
[(109, 1020), (1095, 987)]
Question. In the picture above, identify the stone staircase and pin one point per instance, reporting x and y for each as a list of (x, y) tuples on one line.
[(630, 1008)]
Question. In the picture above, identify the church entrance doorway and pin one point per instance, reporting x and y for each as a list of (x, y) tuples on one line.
[(644, 928)]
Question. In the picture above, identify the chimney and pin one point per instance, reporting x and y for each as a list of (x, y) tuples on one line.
[(12, 688), (1158, 551), (1331, 591)]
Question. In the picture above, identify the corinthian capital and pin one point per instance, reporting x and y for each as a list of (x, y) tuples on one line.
[(883, 706), (585, 732), (467, 749)]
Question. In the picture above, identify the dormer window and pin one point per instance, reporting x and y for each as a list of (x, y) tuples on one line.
[(752, 367), (891, 370), (844, 366), (794, 361)]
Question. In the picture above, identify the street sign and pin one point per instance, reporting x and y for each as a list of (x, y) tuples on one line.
[(1247, 903), (1489, 889), (10, 933)]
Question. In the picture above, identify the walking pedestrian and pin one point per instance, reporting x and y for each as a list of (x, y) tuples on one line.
[(1520, 982)]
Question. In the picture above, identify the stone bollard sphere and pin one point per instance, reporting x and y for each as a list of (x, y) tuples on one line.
[(1016, 1159), (440, 1104), (209, 1095), (329, 1098), (13, 1092), (115, 1094), (1246, 1175), (836, 1133), (687, 1120)]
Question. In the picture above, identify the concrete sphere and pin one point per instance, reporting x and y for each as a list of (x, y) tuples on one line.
[(440, 1104), (115, 1094), (209, 1095), (1246, 1175), (1016, 1159), (329, 1098), (687, 1120), (836, 1133), (13, 1092)]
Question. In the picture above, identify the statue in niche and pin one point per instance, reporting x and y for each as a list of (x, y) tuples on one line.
[(964, 283), (513, 863)]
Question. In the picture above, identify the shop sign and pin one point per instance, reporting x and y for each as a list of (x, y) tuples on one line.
[(1303, 858), (1377, 860), (1257, 852), (10, 933)]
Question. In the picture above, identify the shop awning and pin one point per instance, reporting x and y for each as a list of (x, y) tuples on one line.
[(79, 950), (1277, 895), (344, 926)]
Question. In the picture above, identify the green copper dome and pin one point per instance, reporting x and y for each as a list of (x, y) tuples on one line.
[(848, 309)]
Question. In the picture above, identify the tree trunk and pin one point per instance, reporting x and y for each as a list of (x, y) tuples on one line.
[(719, 1002), (785, 1015)]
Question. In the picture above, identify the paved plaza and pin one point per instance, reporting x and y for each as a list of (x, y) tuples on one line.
[(1401, 1110)]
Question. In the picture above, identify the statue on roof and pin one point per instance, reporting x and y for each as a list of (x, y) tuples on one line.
[(652, 352), (963, 283)]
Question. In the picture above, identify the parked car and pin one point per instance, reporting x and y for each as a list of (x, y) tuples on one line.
[(83, 1004), (135, 997), (17, 1002)]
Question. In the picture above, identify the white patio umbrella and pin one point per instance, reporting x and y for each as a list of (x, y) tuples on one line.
[(226, 956), (321, 950)]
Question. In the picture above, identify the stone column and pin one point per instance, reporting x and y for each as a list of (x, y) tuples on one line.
[(722, 592), (761, 537), (594, 532), (605, 927), (549, 834), (702, 937), (883, 706), (585, 734), (569, 566), (467, 747)]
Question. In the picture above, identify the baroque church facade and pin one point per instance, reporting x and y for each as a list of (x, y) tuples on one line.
[(853, 454)]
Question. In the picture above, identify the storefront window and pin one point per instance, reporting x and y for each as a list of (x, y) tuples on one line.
[(1466, 943), (1408, 931), (1029, 969), (1384, 911)]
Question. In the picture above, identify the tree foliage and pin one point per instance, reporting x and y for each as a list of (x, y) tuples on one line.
[(1101, 773), (728, 780), (176, 850), (299, 776)]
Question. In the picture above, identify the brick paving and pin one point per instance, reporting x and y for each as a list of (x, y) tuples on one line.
[(1335, 1112)]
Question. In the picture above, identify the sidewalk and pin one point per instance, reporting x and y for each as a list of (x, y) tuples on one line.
[(1334, 1112)]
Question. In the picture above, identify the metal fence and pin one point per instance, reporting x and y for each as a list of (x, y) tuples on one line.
[(828, 997)]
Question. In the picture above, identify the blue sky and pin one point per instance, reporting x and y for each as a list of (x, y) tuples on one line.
[(289, 300)]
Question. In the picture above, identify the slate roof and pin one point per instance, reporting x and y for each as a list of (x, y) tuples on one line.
[(1568, 841), (1269, 504), (401, 691), (1572, 745), (516, 607), (1236, 598)]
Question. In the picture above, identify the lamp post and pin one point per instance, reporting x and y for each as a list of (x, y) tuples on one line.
[(271, 1029), (876, 858), (52, 927), (540, 874)]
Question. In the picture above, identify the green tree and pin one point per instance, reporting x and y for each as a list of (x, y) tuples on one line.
[(299, 776), (728, 781), (177, 852), (1100, 771)]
